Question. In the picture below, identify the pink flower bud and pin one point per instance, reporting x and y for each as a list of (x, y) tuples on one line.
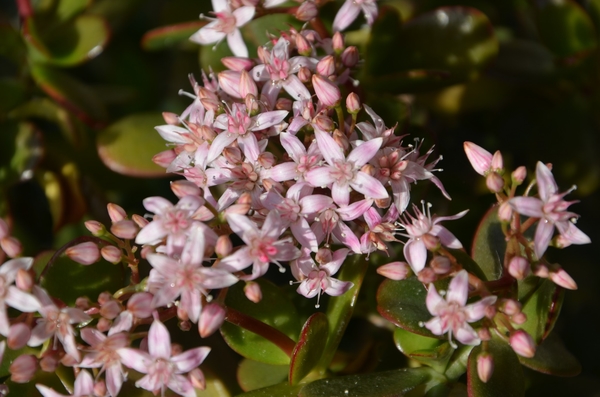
[(337, 41), (540, 270), (196, 377), (484, 334), (24, 280), (140, 304), (263, 55), (103, 324), (283, 104), (303, 45), (518, 267), (324, 122), (324, 255), (18, 336), (350, 56), (394, 270), (497, 162), (440, 264), (505, 212), (229, 81), (327, 92), (211, 318), (100, 388), (432, 243), (49, 363), (510, 306), (266, 160), (519, 318), (307, 11), (139, 220), (146, 249), (341, 139), (83, 303), (485, 366), (183, 188), (116, 212), (164, 158), (326, 66), (68, 361), (23, 368), (523, 344), (126, 229), (95, 227), (494, 182), (563, 279), (519, 175), (84, 253), (11, 246), (4, 230), (352, 102), (170, 118), (110, 309), (247, 85), (111, 254), (480, 159), (238, 64), (253, 292), (304, 74), (427, 276), (224, 246)]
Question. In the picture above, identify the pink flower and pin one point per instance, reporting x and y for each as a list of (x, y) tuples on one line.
[(84, 387), (163, 371), (350, 10), (226, 25), (12, 296), (452, 314), (303, 160), (552, 211)]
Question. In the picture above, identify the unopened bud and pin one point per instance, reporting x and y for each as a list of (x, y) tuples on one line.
[(307, 11), (519, 318), (224, 246), (440, 264), (494, 182), (211, 319), (18, 336), (324, 122), (326, 66), (111, 254), (84, 253), (510, 306), (485, 366), (247, 85), (562, 278), (83, 303), (490, 311), (4, 229), (497, 162), (126, 229), (146, 249), (95, 227), (164, 158), (183, 315), (140, 220), (196, 377), (24, 280), (304, 74), (110, 309), (100, 388), (303, 46), (337, 41), (432, 243), (284, 104), (11, 246), (327, 92), (252, 105), (394, 270), (540, 270), (353, 103), (23, 368), (484, 334), (427, 275), (238, 64), (183, 188), (170, 118), (518, 267), (49, 363), (140, 304), (324, 255), (116, 212), (519, 175), (266, 160), (341, 139), (480, 159), (103, 324), (350, 56), (522, 343), (253, 292), (505, 212)]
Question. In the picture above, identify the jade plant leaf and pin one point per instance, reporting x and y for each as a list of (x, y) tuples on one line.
[(128, 145), (13, 94), (254, 375), (66, 9), (552, 358), (565, 28), (542, 310), (388, 384), (21, 150), (73, 95), (280, 390), (167, 36), (308, 350), (429, 351), (489, 245), (403, 303), (507, 379), (282, 316)]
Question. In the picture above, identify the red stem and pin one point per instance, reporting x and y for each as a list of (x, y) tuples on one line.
[(25, 9)]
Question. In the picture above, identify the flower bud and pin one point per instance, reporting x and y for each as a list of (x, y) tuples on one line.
[(164, 158), (352, 102), (427, 276), (18, 336), (326, 66), (440, 264), (484, 334), (126, 229), (229, 81), (324, 122), (519, 175), (23, 368), (518, 267), (11, 246), (111, 254), (494, 182), (522, 343), (497, 162), (238, 64), (394, 270), (196, 377), (324, 255), (485, 366), (95, 227), (224, 246), (83, 303), (49, 363), (562, 278), (480, 159), (183, 188), (283, 104), (327, 92), (100, 388), (4, 230), (140, 304), (307, 11), (303, 46), (432, 243), (211, 318), (247, 85), (110, 309), (252, 105), (84, 253), (24, 280), (519, 318), (510, 306), (170, 118), (540, 270), (253, 292), (116, 212), (337, 41), (505, 212), (304, 74), (350, 56), (103, 324)]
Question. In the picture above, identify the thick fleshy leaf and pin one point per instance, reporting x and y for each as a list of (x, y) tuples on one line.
[(542, 310), (507, 379), (12, 46), (428, 351), (69, 93), (309, 348), (21, 150), (552, 358), (468, 263), (282, 316), (167, 36), (254, 375), (71, 43), (380, 384), (128, 145), (280, 390), (524, 61), (66, 9), (403, 303), (88, 280), (565, 28), (489, 245), (13, 94)]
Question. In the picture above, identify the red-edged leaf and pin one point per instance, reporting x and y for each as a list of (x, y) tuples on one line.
[(167, 36), (310, 346)]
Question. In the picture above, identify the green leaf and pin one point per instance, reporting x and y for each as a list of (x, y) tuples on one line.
[(69, 93), (128, 145), (10, 355), (468, 263), (403, 303), (21, 149), (552, 358), (168, 36), (429, 351), (281, 390), (71, 43), (458, 362), (257, 32), (542, 310), (282, 316), (507, 379), (254, 375), (13, 94), (310, 346), (565, 28), (525, 61), (489, 245), (11, 45), (88, 280), (388, 384), (66, 9)]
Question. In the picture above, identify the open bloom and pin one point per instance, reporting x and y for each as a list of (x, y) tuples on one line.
[(84, 387), (350, 10), (12, 296), (452, 314), (552, 211)]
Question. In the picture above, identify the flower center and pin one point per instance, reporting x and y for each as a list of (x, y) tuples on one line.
[(343, 171)]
